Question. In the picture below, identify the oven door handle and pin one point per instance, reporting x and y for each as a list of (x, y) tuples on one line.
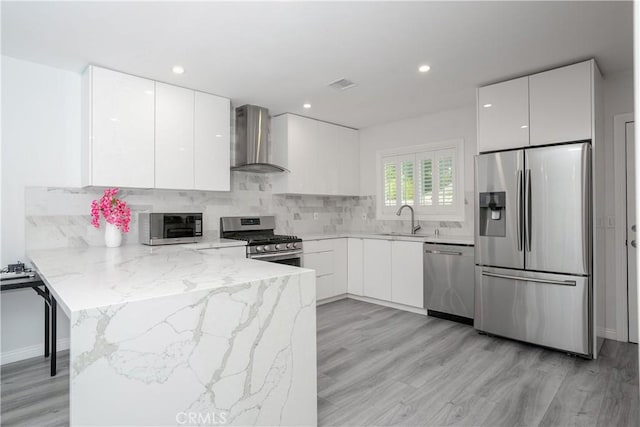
[(275, 255)]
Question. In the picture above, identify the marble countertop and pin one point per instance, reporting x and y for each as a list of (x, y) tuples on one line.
[(85, 278), (445, 239), (215, 243)]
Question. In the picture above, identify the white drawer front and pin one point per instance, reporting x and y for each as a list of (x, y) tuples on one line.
[(321, 262), (318, 246)]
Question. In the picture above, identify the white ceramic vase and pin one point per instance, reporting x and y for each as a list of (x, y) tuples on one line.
[(112, 236)]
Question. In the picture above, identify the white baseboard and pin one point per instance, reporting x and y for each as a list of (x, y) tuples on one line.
[(331, 299), (389, 304), (30, 352), (611, 334)]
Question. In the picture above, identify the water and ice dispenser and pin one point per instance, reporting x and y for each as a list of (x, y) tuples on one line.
[(492, 214)]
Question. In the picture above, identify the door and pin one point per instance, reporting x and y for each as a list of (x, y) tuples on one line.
[(632, 266), (407, 284), (539, 308), (503, 115), (500, 173), (377, 269), (211, 143), (174, 137), (557, 206)]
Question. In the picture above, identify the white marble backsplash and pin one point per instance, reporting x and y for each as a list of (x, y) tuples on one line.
[(59, 217)]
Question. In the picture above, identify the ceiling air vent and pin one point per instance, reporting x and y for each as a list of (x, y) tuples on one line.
[(342, 84)]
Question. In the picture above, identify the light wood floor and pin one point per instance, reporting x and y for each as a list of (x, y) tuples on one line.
[(30, 397), (380, 366)]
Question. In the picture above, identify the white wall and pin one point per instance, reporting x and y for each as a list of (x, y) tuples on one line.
[(40, 147), (440, 126), (618, 99)]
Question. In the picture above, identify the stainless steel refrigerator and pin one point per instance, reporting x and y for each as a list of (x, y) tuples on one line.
[(533, 222)]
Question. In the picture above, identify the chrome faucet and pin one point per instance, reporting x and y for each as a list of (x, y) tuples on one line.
[(414, 227)]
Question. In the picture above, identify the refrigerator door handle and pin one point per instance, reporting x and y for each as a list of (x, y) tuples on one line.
[(527, 208), (519, 211), (586, 203), (530, 279)]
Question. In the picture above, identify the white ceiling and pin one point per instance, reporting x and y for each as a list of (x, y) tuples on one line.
[(283, 54)]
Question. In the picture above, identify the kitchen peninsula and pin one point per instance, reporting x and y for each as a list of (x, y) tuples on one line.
[(168, 334)]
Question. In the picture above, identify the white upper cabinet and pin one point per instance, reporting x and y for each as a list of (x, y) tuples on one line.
[(145, 134), (322, 158), (211, 142), (174, 137), (118, 130), (551, 107), (503, 115), (561, 104)]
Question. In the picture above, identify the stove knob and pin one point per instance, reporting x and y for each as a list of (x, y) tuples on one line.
[(289, 245), (259, 249), (268, 248), (279, 247), (296, 245)]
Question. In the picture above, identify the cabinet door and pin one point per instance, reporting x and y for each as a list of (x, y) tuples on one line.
[(328, 151), (122, 130), (377, 269), (355, 268), (561, 104), (211, 143), (348, 156), (503, 115), (302, 157), (340, 266), (174, 137), (407, 284)]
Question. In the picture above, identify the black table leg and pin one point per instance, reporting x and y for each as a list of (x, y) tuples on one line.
[(54, 334), (46, 325)]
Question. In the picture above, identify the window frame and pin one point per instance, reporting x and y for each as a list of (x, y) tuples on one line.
[(431, 151)]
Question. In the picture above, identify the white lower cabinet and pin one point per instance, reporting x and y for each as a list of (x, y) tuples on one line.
[(377, 269), (355, 267), (407, 273), (329, 259)]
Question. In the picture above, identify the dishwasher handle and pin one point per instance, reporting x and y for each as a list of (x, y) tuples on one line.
[(433, 251)]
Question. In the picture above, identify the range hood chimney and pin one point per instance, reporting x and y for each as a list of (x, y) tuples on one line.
[(253, 142)]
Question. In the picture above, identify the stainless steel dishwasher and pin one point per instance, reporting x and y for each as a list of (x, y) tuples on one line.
[(449, 281)]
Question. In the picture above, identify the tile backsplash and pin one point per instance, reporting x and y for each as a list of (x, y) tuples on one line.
[(59, 217)]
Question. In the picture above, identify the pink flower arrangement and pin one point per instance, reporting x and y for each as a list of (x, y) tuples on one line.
[(114, 210)]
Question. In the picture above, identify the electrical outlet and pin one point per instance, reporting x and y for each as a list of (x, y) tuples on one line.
[(364, 216), (611, 222), (315, 216)]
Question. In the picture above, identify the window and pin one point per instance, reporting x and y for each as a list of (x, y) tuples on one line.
[(427, 177)]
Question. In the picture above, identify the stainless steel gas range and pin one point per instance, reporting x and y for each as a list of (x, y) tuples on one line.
[(262, 242)]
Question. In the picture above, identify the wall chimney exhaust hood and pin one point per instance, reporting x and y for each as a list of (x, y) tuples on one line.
[(252, 148)]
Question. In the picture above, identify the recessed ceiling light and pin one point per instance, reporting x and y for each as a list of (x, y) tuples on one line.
[(307, 106), (148, 92), (218, 136), (487, 105), (524, 127), (177, 69), (424, 68)]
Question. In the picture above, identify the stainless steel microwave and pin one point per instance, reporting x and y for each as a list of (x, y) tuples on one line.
[(169, 228)]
